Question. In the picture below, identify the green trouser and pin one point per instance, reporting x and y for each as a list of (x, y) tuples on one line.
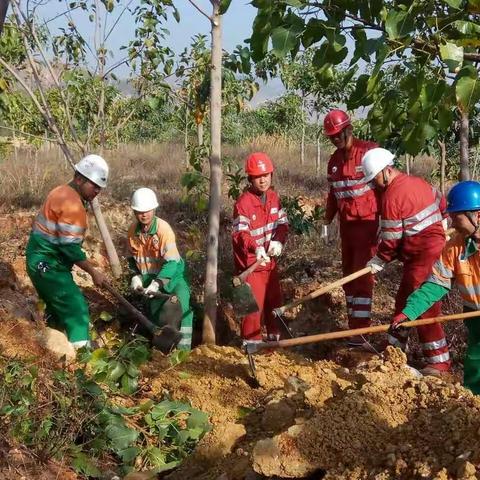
[(471, 364), (66, 307), (156, 308)]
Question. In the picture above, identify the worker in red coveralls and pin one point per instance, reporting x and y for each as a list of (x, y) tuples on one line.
[(355, 201), (411, 230), (260, 228)]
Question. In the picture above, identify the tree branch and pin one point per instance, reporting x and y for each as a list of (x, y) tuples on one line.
[(201, 11)]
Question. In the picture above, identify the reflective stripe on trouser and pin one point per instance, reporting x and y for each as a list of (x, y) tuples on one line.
[(432, 337), (157, 311), (359, 243), (268, 294), (471, 363), (66, 308)]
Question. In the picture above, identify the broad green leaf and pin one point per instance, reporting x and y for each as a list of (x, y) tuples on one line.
[(198, 419), (295, 3), (454, 3), (467, 28), (129, 385), (82, 464), (467, 88), (283, 41), (445, 118), (178, 356), (117, 369), (121, 437), (416, 137), (224, 5), (129, 454), (398, 24), (156, 457), (314, 32), (452, 55)]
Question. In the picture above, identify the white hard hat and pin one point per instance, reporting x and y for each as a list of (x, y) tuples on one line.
[(95, 168), (374, 161), (144, 200)]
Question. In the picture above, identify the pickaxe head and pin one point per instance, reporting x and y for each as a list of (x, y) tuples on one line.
[(253, 346)]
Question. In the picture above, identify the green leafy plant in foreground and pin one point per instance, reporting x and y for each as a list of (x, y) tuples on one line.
[(80, 415)]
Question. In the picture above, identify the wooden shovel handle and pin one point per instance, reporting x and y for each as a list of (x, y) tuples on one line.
[(325, 289), (364, 331), (240, 279), (130, 308)]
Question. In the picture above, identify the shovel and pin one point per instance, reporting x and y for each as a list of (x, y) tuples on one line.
[(251, 347), (164, 338), (244, 301), (316, 293)]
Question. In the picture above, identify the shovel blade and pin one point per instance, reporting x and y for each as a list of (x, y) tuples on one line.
[(166, 339), (244, 301)]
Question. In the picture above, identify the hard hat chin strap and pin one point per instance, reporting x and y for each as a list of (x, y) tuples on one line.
[(472, 216)]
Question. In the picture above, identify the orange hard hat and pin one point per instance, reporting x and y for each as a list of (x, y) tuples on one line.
[(258, 163), (335, 121)]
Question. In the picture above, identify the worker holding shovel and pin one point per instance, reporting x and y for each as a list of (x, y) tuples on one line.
[(460, 263), (158, 268), (355, 201), (411, 231), (260, 228), (55, 245)]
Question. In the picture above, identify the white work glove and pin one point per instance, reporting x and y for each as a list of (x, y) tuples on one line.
[(261, 254), (376, 264), (152, 289), (136, 283), (275, 248)]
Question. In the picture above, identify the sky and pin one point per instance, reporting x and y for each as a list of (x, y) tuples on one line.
[(237, 26)]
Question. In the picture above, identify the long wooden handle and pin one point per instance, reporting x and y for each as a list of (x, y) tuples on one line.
[(321, 291), (239, 279), (130, 308), (291, 342)]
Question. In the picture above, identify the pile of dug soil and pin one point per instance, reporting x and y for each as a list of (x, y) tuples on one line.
[(320, 420)]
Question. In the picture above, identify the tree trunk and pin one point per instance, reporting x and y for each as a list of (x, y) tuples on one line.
[(215, 177), (185, 139), (317, 159), (407, 163), (302, 144), (3, 13), (464, 126), (200, 134), (443, 162)]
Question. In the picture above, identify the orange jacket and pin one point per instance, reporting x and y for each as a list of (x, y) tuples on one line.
[(460, 263), (62, 219), (349, 194), (153, 249)]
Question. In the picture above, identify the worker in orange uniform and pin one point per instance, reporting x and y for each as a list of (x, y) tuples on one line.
[(355, 201), (412, 231), (55, 246), (260, 228)]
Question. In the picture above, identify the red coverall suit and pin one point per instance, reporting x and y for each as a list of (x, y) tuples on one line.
[(357, 206), (412, 231), (257, 220)]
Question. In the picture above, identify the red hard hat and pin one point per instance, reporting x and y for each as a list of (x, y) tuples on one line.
[(335, 121), (258, 163)]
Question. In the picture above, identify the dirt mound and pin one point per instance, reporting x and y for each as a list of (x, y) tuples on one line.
[(320, 420)]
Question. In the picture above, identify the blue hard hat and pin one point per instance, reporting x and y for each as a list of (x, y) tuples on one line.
[(464, 197)]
